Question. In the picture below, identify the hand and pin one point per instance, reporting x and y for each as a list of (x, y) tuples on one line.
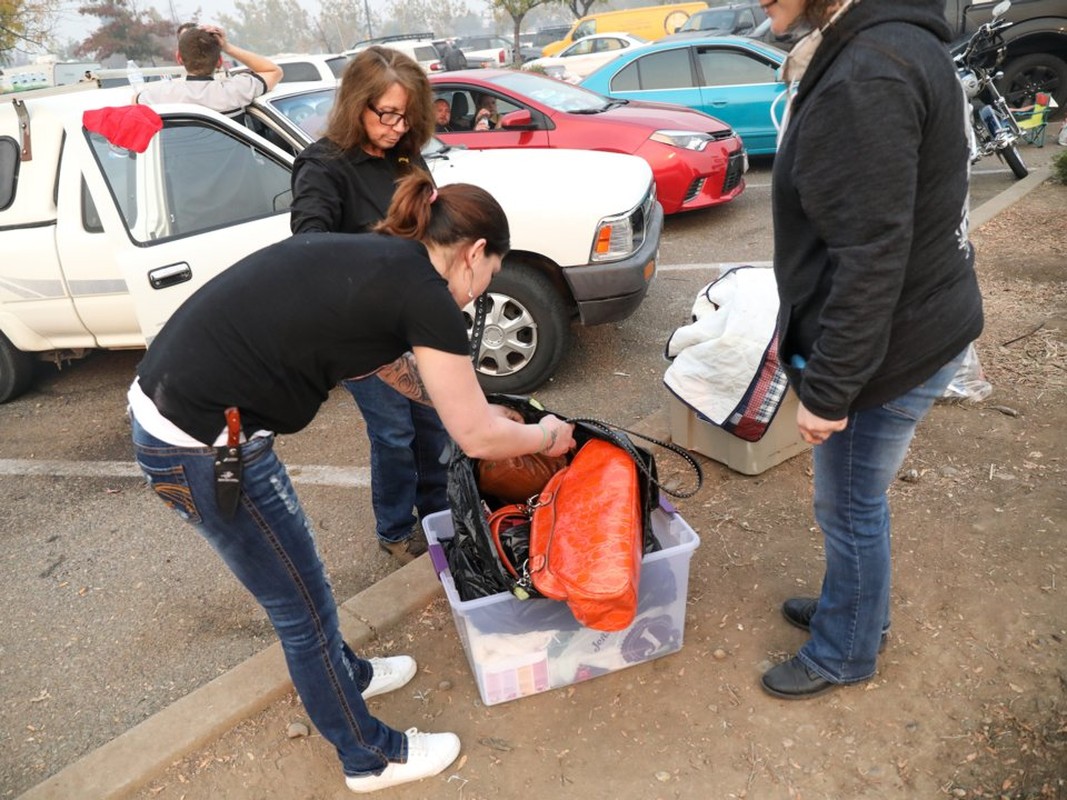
[(219, 34), (816, 430), (560, 436)]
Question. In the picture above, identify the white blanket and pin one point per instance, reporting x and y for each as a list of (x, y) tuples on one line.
[(717, 356)]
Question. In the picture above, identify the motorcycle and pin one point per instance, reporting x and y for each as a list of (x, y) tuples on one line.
[(994, 129)]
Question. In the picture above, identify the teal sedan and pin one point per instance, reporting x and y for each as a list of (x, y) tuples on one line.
[(729, 77)]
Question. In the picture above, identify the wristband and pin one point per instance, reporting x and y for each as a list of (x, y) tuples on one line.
[(544, 437)]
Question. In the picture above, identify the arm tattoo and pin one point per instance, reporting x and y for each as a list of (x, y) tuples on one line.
[(403, 376)]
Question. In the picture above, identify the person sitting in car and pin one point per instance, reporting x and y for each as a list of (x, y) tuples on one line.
[(486, 116), (442, 115)]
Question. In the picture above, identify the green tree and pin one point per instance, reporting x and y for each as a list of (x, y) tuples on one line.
[(270, 27), (26, 25), (143, 36), (517, 10)]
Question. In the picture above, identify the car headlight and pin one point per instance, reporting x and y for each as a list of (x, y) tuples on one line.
[(687, 140), (621, 235)]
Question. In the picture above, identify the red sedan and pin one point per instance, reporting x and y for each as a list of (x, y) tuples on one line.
[(697, 160)]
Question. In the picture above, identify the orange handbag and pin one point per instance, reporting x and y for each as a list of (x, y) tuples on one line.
[(586, 537)]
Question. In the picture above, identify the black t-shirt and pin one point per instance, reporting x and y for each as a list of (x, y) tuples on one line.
[(276, 331)]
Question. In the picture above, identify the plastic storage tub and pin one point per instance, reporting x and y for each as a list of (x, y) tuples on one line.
[(781, 441), (521, 647)]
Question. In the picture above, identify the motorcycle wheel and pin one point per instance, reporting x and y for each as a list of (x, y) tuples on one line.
[(1015, 161)]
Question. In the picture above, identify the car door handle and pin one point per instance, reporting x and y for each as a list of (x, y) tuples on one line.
[(170, 275)]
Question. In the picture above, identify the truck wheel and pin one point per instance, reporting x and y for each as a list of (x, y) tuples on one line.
[(527, 329), (1027, 75), (16, 370), (1015, 161)]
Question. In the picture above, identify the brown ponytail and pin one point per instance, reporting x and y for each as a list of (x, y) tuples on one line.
[(459, 212)]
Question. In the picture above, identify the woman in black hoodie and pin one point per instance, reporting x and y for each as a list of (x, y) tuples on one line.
[(877, 288)]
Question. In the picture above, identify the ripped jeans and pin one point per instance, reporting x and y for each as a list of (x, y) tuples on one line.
[(270, 546)]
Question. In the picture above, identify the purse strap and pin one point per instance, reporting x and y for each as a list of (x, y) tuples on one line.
[(612, 433)]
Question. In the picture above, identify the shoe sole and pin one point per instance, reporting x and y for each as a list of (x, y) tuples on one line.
[(806, 696)]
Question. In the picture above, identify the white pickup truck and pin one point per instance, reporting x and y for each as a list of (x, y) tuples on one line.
[(100, 244)]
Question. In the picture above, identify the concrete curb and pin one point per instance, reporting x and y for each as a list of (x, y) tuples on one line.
[(128, 762), (989, 209)]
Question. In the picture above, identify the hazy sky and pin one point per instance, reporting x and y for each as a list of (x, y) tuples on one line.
[(73, 25)]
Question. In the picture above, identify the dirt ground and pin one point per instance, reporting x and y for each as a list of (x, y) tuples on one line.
[(969, 700)]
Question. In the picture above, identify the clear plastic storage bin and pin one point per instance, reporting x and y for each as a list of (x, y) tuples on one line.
[(521, 647)]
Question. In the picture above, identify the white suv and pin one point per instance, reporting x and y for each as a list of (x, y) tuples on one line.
[(419, 46), (100, 244)]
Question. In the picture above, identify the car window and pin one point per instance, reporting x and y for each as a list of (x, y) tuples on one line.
[(9, 170), (337, 65), (426, 52), (667, 69), (746, 20), (587, 28), (733, 68), (603, 45), (192, 178), (557, 95), (299, 71), (579, 48), (309, 111)]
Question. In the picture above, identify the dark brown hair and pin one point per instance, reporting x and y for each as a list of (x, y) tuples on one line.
[(366, 78), (818, 12), (199, 50), (459, 213)]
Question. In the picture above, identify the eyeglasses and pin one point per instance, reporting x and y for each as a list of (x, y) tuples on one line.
[(390, 118)]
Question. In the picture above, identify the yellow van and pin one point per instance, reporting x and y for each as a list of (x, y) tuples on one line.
[(648, 22)]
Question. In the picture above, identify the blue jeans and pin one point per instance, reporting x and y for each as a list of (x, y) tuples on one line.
[(853, 471), (270, 546), (409, 452)]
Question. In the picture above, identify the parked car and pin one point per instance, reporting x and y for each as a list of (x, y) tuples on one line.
[(579, 59), (420, 46), (301, 68), (649, 22), (733, 78), (497, 48), (697, 160), (100, 244), (531, 44), (740, 19)]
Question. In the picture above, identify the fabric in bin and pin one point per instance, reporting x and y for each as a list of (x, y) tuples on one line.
[(658, 588), (582, 653)]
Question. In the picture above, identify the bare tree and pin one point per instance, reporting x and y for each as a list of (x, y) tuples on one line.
[(339, 24), (580, 7), (517, 10), (270, 26), (438, 16)]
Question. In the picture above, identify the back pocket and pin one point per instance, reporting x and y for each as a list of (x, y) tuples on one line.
[(170, 485)]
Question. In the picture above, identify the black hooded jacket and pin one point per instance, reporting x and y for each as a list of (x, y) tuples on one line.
[(874, 267)]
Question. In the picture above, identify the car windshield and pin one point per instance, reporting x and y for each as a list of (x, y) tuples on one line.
[(557, 95)]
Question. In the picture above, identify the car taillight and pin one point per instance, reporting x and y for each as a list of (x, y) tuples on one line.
[(503, 58), (436, 66)]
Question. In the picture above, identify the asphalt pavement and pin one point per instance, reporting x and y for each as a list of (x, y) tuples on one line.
[(129, 762)]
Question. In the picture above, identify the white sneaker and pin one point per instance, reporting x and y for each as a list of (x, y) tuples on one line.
[(428, 754), (389, 674)]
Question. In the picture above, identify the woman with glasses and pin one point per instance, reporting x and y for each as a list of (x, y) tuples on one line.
[(343, 183)]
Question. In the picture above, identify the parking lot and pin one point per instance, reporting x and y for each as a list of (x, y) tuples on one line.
[(115, 609)]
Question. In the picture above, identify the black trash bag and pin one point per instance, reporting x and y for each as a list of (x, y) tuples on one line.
[(471, 560)]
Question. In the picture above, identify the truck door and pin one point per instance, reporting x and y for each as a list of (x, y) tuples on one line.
[(201, 197)]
